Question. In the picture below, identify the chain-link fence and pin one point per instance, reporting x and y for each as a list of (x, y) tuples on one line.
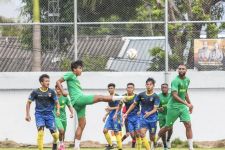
[(107, 29)]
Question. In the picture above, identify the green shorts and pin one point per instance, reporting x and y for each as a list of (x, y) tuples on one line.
[(174, 113), (61, 124), (162, 120), (80, 104)]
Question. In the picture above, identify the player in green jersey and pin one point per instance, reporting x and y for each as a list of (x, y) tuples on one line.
[(61, 121), (162, 111), (179, 104), (80, 100)]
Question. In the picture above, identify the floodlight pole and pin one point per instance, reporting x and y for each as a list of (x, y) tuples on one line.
[(166, 44), (75, 30)]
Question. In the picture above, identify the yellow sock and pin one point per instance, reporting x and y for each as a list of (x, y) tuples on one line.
[(146, 143), (119, 141), (139, 143), (40, 139), (108, 138), (55, 137)]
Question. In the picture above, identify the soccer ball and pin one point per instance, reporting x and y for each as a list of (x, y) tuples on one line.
[(132, 53)]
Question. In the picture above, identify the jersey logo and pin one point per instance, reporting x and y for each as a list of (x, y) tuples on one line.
[(151, 99)]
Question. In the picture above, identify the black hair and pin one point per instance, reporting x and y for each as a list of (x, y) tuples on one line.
[(76, 64), (150, 80), (41, 78), (111, 84), (130, 84), (164, 84)]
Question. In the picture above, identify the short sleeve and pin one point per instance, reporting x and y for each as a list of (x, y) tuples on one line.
[(156, 100), (174, 86), (32, 96), (68, 76), (137, 99), (54, 97)]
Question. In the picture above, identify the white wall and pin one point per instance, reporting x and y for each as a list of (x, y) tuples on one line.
[(207, 92)]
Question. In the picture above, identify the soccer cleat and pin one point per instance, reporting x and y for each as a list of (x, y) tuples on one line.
[(108, 147), (168, 144), (54, 147)]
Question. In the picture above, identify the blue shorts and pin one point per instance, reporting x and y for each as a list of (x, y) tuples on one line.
[(45, 119), (149, 124), (114, 125), (133, 123)]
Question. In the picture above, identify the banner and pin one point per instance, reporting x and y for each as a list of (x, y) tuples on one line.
[(209, 52)]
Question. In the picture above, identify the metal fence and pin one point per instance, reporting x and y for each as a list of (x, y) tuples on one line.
[(189, 32)]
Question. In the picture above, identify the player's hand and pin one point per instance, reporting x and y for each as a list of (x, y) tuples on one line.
[(160, 109), (108, 109), (125, 116), (191, 109), (28, 118), (71, 115), (147, 114), (104, 118), (57, 113), (115, 117), (64, 93)]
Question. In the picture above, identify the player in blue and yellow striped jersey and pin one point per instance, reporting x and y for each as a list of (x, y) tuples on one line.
[(111, 123), (149, 102), (133, 123)]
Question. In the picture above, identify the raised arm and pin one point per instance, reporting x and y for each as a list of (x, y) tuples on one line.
[(59, 85)]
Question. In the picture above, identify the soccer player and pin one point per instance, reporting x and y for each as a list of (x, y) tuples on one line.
[(162, 111), (79, 100), (45, 100), (61, 121), (179, 104), (111, 123), (125, 122), (149, 102), (133, 123)]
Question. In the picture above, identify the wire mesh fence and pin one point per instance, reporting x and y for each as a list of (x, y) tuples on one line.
[(108, 29)]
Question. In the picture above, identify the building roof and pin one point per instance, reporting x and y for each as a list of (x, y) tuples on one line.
[(142, 45), (15, 58)]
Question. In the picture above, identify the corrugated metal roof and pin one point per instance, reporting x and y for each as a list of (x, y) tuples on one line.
[(15, 58), (142, 45)]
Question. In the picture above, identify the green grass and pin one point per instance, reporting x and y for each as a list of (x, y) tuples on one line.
[(103, 149)]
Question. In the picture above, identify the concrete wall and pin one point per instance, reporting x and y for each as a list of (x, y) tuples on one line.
[(207, 92)]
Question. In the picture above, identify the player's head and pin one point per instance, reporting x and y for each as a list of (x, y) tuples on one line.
[(44, 80), (182, 69), (111, 88), (58, 91), (77, 67), (130, 88), (164, 88), (150, 83)]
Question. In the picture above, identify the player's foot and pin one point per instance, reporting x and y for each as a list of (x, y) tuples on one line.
[(108, 147), (54, 147), (61, 147), (168, 144), (165, 148), (76, 148)]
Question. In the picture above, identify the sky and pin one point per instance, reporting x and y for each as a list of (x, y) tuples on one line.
[(10, 8)]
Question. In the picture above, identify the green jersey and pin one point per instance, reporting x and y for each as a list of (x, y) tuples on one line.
[(164, 99), (180, 86), (74, 87), (63, 102)]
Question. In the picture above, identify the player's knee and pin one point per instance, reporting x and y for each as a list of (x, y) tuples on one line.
[(187, 125), (105, 131), (152, 137), (40, 128), (61, 131)]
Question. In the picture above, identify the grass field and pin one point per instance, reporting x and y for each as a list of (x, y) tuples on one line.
[(114, 149)]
